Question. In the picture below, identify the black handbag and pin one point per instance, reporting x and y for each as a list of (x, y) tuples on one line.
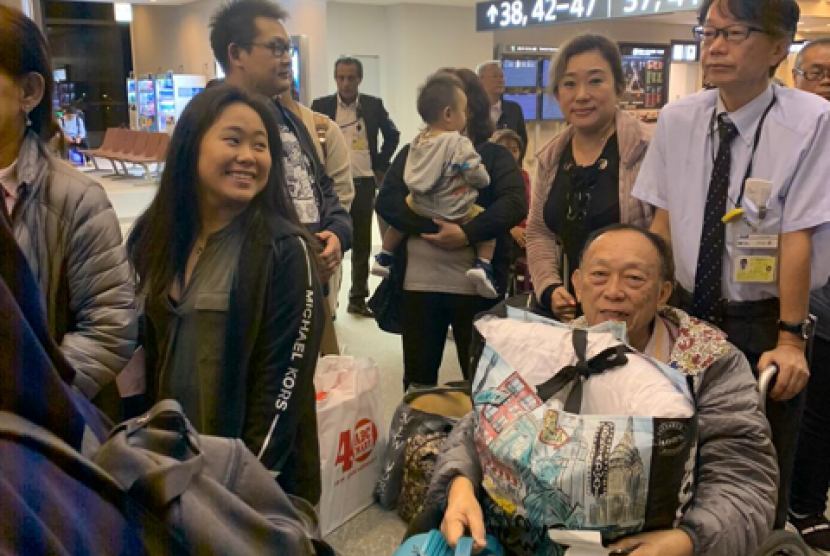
[(387, 301)]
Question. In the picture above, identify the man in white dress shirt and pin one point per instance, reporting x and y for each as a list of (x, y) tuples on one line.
[(739, 173)]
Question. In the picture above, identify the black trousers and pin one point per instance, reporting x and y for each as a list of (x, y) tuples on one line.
[(363, 210), (427, 317), (811, 478), (753, 329)]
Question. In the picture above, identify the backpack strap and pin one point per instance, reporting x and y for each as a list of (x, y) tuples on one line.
[(581, 371)]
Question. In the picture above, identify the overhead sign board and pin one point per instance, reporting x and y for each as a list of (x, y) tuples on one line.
[(503, 14)]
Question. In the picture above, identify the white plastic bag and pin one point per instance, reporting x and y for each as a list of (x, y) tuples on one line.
[(351, 442)]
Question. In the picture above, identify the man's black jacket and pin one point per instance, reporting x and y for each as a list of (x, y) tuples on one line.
[(513, 118), (376, 119)]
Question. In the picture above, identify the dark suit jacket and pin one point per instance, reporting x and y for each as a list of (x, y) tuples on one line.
[(376, 119), (513, 118)]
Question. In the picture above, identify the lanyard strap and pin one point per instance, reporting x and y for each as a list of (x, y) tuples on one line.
[(755, 144)]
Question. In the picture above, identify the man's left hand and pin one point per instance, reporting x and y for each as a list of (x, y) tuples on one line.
[(449, 237), (793, 372), (379, 177), (331, 255), (659, 543)]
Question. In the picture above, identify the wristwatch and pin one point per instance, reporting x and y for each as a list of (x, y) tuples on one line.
[(803, 329)]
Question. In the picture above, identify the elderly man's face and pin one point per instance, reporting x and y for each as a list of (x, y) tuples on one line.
[(815, 62), (619, 279), (492, 79)]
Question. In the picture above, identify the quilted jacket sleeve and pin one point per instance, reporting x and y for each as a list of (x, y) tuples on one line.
[(101, 294), (734, 504), (459, 457)]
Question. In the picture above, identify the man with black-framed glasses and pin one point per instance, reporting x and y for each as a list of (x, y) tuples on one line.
[(739, 173), (251, 43), (812, 68)]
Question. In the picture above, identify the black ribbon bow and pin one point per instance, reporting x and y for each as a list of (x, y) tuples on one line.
[(581, 371)]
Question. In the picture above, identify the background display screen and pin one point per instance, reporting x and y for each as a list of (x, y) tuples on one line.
[(551, 109), (546, 73), (520, 73), (529, 104)]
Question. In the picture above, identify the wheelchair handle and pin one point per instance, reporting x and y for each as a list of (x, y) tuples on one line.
[(766, 380)]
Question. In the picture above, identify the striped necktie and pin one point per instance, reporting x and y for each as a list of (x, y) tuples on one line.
[(709, 273)]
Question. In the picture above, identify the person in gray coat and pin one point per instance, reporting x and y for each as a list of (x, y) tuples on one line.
[(62, 220), (626, 274)]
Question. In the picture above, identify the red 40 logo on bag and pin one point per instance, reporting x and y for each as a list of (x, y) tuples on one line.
[(356, 446)]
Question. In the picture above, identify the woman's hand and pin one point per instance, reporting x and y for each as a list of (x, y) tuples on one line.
[(519, 236), (449, 237), (464, 513), (329, 258), (659, 543), (563, 304)]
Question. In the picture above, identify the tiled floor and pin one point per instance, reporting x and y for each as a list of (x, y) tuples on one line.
[(375, 532)]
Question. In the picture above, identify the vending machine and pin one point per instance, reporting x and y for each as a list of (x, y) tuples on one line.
[(132, 103), (146, 96), (173, 92)]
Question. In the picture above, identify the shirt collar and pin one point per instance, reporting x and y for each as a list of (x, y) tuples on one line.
[(747, 118), (8, 179), (351, 106)]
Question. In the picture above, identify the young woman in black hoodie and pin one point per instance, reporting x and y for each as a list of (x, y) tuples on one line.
[(233, 307)]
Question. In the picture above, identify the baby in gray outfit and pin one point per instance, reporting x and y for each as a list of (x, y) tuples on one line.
[(443, 173)]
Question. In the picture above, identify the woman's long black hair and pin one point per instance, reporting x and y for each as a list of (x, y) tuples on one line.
[(162, 238)]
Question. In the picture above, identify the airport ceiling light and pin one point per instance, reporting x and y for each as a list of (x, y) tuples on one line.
[(123, 12)]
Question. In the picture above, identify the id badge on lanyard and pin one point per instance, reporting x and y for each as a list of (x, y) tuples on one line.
[(754, 244)]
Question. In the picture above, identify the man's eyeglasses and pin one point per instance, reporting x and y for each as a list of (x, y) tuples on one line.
[(735, 34), (814, 74), (277, 48)]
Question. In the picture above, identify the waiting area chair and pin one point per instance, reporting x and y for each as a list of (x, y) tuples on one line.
[(127, 146)]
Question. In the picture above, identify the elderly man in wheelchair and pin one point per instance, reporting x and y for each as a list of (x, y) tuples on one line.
[(726, 503)]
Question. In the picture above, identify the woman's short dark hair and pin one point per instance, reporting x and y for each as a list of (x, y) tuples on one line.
[(23, 50), (660, 245), (439, 92), (479, 124), (350, 61), (160, 242), (581, 44), (235, 23), (778, 18)]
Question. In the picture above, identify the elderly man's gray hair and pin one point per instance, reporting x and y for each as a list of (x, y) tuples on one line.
[(487, 64), (824, 41)]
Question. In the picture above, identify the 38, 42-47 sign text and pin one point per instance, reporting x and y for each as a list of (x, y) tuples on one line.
[(506, 14)]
